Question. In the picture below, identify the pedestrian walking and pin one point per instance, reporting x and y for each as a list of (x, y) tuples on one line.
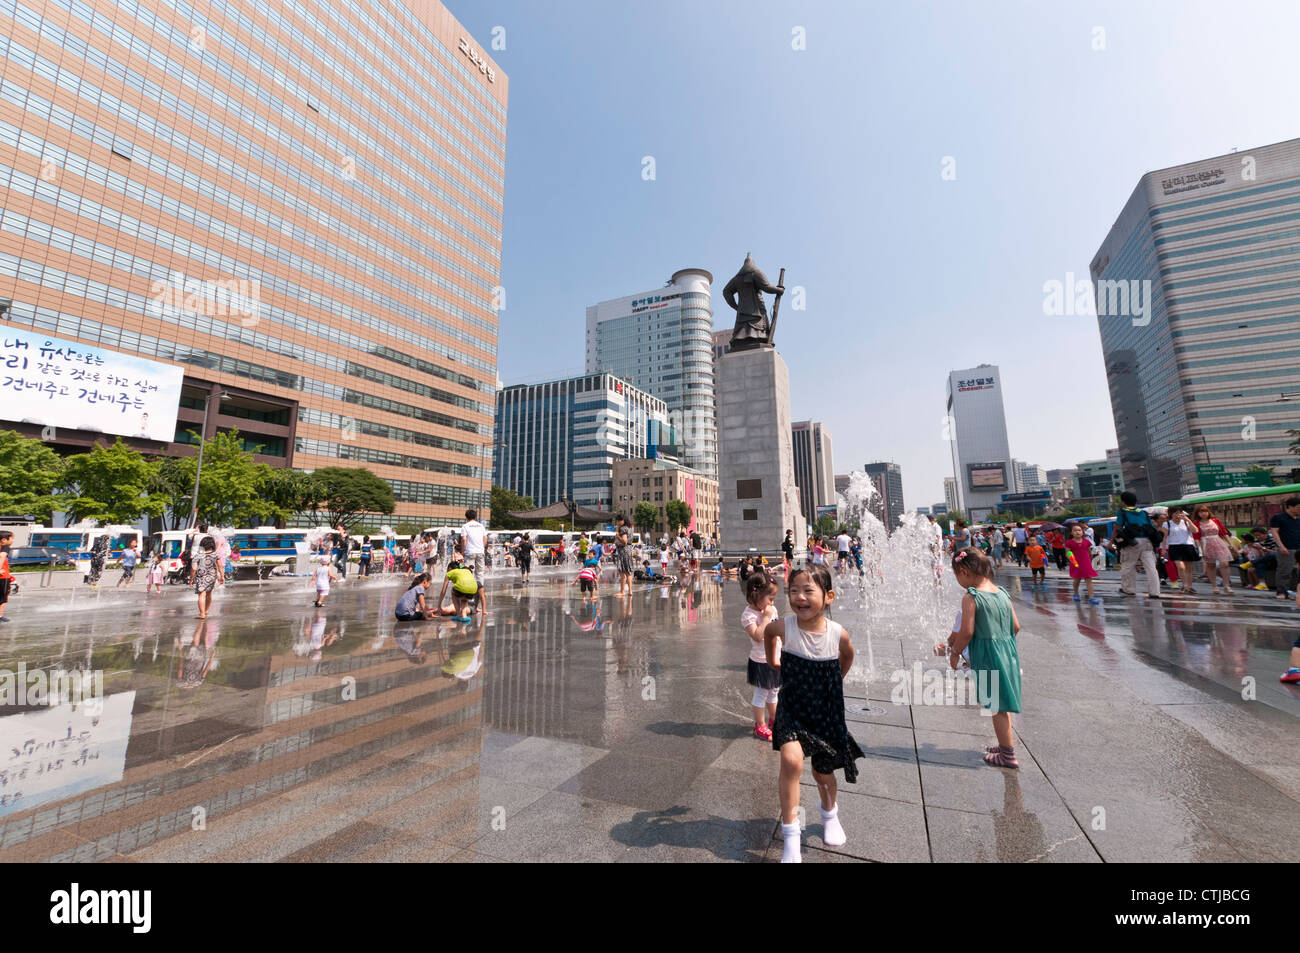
[(206, 575)]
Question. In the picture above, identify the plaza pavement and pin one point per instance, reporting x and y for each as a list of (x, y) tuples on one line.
[(554, 734)]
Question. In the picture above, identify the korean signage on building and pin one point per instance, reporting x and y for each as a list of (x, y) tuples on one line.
[(975, 383), (56, 383)]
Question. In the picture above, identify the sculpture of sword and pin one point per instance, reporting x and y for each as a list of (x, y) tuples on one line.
[(776, 306)]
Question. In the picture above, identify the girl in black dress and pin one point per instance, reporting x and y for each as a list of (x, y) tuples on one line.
[(814, 657)]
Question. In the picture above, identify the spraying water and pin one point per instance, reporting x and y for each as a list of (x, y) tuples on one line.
[(905, 591)]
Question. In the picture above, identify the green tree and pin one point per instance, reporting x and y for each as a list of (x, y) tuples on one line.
[(679, 514), (947, 519), (229, 485), (645, 517), (30, 472), (1080, 509), (824, 526), (114, 484), (349, 492), (291, 492), (501, 502)]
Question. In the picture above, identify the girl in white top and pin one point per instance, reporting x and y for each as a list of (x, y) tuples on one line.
[(322, 576), (1181, 543), (815, 654), (760, 593)]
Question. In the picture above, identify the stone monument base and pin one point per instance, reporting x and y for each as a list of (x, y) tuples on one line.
[(757, 496)]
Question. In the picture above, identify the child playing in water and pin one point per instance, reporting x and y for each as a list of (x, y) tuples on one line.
[(760, 593), (1037, 557), (815, 654), (322, 576), (989, 627), (587, 579), (157, 573), (465, 591), (1079, 553)]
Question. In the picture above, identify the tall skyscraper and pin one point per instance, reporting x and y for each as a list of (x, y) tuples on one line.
[(560, 439), (888, 480), (298, 206), (950, 500), (1195, 292), (981, 456), (814, 467), (662, 341)]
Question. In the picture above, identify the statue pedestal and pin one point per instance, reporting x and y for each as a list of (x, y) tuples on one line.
[(757, 496)]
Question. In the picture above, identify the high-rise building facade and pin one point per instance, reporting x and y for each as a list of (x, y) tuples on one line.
[(662, 341), (814, 467), (335, 170), (657, 482), (950, 495), (1029, 476), (1096, 481), (1195, 289), (888, 504), (981, 454), (559, 439)]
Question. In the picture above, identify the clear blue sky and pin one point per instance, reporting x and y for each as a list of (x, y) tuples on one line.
[(827, 162)]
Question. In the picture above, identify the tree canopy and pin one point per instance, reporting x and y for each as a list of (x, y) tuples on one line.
[(30, 472), (645, 517), (679, 513), (502, 502), (347, 493)]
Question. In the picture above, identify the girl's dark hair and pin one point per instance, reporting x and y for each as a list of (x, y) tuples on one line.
[(757, 583), (820, 575), (207, 544), (422, 577), (972, 559)]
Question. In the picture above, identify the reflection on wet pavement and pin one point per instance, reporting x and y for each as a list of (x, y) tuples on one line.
[(553, 729)]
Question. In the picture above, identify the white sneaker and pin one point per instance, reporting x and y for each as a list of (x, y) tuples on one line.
[(832, 831), (790, 836)]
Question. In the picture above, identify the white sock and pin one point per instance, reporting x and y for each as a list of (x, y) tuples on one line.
[(790, 833), (832, 832)]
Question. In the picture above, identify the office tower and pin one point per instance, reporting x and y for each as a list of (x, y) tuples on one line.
[(1096, 481), (978, 430), (950, 501), (662, 341), (299, 207), (814, 467), (1029, 476), (888, 503), (559, 439), (1195, 298)]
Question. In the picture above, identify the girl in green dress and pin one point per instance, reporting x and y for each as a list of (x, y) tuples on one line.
[(989, 626)]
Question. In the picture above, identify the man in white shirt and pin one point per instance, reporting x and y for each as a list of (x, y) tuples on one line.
[(473, 540), (843, 543)]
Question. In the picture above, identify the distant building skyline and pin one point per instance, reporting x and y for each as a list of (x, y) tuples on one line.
[(814, 466)]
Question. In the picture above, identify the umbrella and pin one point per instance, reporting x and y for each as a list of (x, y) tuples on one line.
[(1077, 519), (1050, 526)]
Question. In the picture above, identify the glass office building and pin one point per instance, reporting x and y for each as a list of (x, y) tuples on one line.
[(1197, 290), (559, 439), (662, 341), (338, 166), (814, 466)]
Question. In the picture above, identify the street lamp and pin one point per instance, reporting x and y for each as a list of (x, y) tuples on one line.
[(217, 391)]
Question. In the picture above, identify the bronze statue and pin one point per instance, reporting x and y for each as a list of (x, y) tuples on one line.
[(752, 328)]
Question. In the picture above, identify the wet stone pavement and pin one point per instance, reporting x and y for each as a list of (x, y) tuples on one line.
[(552, 731)]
